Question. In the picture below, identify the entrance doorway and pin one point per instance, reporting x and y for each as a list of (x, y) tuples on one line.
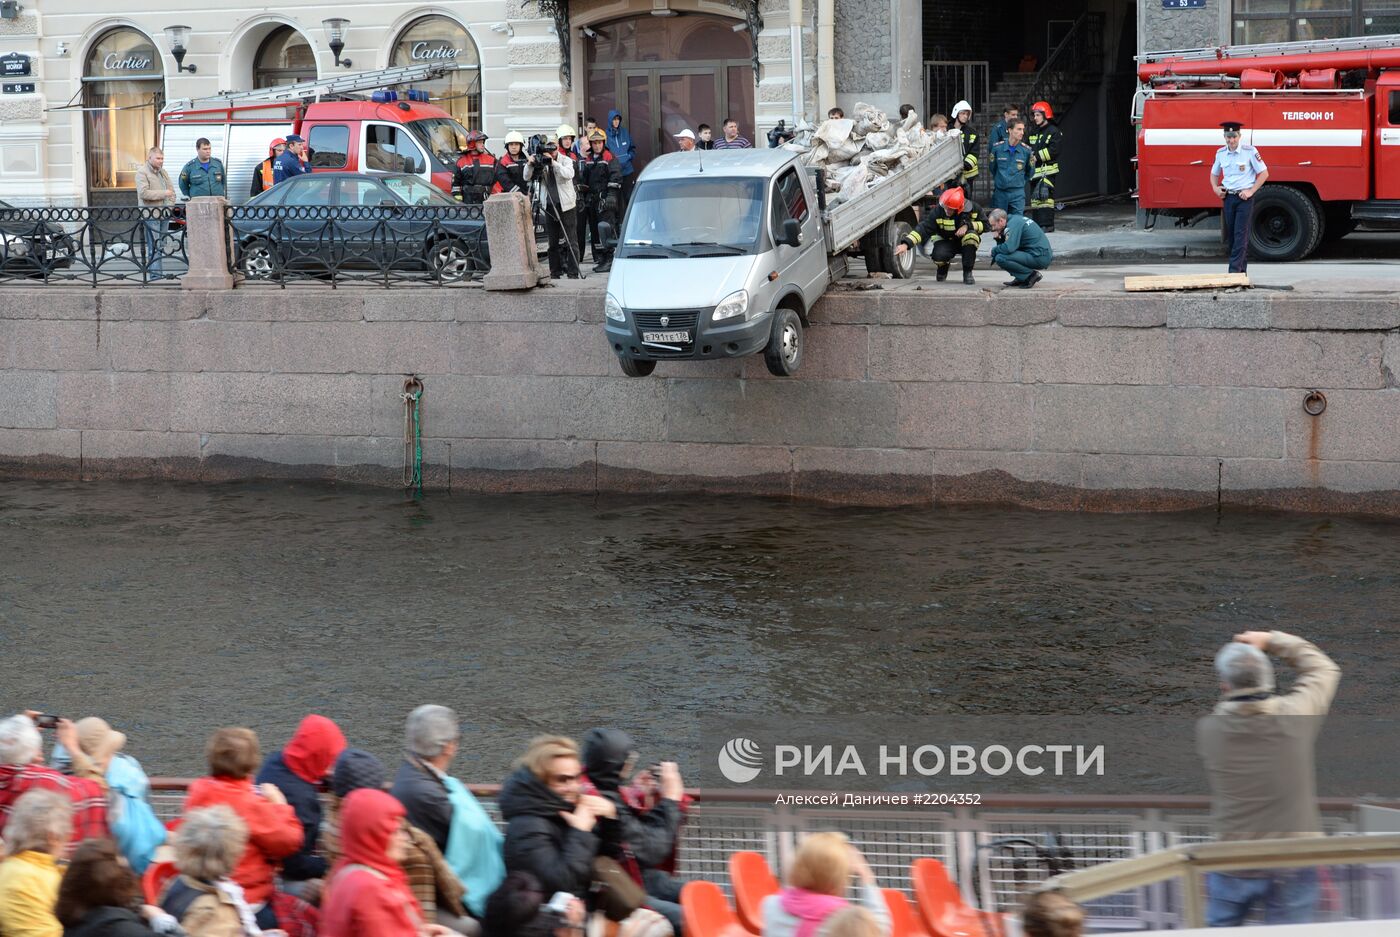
[(284, 57), (669, 73)]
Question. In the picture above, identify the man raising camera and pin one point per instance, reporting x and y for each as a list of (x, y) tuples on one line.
[(556, 178)]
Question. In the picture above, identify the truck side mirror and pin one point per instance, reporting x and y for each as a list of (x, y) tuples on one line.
[(792, 233), (607, 234)]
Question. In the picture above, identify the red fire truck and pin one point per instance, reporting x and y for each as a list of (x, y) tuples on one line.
[(1325, 116), (368, 122)]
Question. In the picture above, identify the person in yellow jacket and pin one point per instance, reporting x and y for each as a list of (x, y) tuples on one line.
[(1045, 139), (38, 830)]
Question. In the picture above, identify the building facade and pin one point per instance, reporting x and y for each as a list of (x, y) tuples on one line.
[(87, 82)]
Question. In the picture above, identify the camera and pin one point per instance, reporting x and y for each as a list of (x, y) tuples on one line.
[(539, 145), (46, 721), (780, 135)]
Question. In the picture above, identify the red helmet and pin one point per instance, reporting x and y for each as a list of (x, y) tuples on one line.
[(1044, 108), (277, 141), (953, 199)]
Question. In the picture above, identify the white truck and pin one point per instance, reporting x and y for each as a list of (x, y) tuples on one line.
[(724, 253)]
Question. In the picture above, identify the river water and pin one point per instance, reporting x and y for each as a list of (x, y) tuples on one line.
[(172, 610)]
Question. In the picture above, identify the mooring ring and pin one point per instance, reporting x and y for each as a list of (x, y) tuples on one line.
[(1314, 403)]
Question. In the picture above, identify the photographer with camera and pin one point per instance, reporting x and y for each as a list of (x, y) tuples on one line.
[(600, 179), (554, 174), (510, 168)]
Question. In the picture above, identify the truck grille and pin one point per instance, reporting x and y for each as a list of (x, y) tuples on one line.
[(675, 319)]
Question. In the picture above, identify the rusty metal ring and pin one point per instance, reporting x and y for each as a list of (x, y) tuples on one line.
[(1314, 403), (413, 386)]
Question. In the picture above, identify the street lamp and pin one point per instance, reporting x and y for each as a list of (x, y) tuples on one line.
[(335, 33), (179, 39)]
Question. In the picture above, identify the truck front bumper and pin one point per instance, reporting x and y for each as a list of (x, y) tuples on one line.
[(708, 339)]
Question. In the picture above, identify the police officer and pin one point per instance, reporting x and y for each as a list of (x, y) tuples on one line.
[(600, 179), (476, 171), (957, 225), (1236, 175), (289, 164), (1011, 169), (962, 124), (1045, 140)]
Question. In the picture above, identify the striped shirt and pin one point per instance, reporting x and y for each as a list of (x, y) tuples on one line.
[(738, 143)]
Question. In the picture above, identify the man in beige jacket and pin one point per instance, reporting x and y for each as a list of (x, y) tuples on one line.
[(1257, 748), (155, 190)]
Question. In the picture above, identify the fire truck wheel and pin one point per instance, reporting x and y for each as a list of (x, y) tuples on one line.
[(1287, 224)]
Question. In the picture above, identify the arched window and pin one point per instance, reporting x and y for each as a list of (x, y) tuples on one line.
[(123, 92), (283, 58), (438, 39)]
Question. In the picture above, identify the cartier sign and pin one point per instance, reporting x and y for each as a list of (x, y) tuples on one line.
[(433, 51), (132, 62)]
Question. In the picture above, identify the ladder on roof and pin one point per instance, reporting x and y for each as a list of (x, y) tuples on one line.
[(1214, 53), (303, 90)]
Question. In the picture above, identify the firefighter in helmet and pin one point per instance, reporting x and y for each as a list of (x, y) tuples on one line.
[(599, 181), (262, 176), (510, 168), (1045, 140), (476, 171), (962, 125), (957, 225)]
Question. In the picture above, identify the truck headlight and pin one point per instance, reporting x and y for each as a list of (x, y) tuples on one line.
[(735, 304), (613, 309)]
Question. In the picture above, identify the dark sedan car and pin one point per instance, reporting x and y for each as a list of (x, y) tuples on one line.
[(29, 245), (333, 222)]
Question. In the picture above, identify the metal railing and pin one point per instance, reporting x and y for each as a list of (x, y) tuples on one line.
[(1083, 832), (93, 245), (380, 245), (1078, 56), (947, 82)]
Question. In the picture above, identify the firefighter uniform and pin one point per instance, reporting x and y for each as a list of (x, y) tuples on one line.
[(1045, 141), (599, 180), (475, 175), (942, 225), (970, 141)]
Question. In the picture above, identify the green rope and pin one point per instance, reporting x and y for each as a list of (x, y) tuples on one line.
[(413, 437)]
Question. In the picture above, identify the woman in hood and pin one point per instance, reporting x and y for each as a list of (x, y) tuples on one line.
[(368, 892), (300, 771), (816, 888)]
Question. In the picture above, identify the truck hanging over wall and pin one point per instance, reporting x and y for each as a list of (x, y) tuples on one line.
[(1325, 116)]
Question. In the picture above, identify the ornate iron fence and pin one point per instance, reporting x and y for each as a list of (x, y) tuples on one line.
[(281, 244), (93, 245)]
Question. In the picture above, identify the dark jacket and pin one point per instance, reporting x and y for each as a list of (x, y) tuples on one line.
[(109, 922), (937, 223), (620, 143), (648, 837), (510, 173), (424, 797), (1045, 143), (306, 801), (1023, 234), (540, 841), (287, 166), (1011, 166)]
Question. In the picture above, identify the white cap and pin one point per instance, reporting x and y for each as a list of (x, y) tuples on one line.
[(960, 107), (684, 134)]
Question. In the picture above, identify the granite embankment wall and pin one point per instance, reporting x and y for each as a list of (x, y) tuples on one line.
[(1077, 400)]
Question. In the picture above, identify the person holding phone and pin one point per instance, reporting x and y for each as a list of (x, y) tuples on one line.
[(22, 769)]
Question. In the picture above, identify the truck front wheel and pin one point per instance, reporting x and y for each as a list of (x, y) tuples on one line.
[(784, 352), (1286, 225), (636, 367)]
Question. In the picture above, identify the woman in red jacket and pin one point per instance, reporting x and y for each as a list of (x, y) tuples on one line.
[(368, 892), (274, 832)]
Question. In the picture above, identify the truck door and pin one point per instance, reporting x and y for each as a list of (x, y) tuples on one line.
[(390, 148), (1387, 159), (804, 265)]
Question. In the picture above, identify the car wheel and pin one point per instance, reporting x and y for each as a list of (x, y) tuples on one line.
[(450, 260), (784, 352), (1286, 225), (636, 367), (255, 259)]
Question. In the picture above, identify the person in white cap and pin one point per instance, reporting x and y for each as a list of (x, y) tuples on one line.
[(686, 140), (962, 124)]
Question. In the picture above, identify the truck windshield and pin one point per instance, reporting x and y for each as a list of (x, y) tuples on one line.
[(697, 216), (443, 136)]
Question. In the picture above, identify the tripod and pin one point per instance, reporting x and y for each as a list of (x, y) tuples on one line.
[(551, 212)]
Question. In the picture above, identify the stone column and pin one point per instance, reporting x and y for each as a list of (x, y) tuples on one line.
[(206, 244), (510, 234)]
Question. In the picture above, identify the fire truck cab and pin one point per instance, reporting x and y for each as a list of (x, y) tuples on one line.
[(1325, 117)]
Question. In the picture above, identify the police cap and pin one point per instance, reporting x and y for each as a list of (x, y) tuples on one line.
[(1231, 126)]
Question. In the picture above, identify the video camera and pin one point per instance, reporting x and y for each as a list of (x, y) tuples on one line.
[(539, 145), (780, 135)]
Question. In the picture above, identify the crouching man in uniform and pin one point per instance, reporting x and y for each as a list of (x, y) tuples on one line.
[(1022, 249), (957, 226)]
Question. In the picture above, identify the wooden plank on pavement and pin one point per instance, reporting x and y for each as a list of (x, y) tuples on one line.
[(1186, 281)]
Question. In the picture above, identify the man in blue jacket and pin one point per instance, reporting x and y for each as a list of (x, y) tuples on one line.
[(622, 148), (1011, 170), (289, 164), (1022, 249)]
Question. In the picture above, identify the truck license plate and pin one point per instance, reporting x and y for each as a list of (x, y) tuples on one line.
[(665, 336)]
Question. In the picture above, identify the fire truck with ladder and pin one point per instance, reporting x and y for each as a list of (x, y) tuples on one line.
[(1324, 115)]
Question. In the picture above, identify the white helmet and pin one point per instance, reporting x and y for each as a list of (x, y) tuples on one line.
[(566, 130), (959, 108), (515, 136)]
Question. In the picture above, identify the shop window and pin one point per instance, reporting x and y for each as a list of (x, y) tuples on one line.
[(441, 40), (1262, 21), (329, 145), (123, 92)]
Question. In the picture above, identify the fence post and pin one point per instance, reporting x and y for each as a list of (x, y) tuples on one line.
[(510, 236), (206, 244)]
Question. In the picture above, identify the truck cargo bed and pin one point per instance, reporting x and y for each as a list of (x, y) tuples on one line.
[(846, 223)]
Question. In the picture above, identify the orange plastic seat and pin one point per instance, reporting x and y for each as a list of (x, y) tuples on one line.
[(705, 912), (903, 921), (941, 908), (753, 881), (154, 878)]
